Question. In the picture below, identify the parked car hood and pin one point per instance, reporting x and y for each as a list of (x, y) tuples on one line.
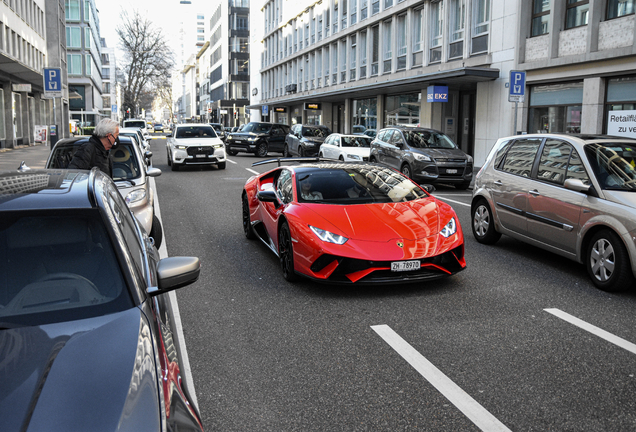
[(413, 220), (91, 374), (247, 135), (360, 151), (314, 139), (442, 153)]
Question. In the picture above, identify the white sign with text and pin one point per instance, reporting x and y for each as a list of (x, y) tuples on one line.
[(622, 123)]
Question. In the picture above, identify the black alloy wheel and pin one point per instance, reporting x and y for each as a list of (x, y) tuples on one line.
[(286, 253), (247, 223), (156, 231), (286, 151), (608, 263), (483, 224), (261, 149), (301, 151)]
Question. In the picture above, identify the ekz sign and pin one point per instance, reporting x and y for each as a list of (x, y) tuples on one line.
[(437, 93)]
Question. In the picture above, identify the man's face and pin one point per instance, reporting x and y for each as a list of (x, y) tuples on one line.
[(112, 138)]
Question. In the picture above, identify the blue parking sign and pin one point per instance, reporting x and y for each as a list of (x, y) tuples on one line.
[(52, 82), (517, 86)]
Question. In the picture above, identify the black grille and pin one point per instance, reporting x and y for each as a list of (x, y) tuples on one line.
[(448, 261), (203, 150)]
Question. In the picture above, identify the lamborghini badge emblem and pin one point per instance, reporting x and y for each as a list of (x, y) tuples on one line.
[(400, 244)]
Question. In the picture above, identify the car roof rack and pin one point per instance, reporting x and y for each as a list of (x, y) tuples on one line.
[(295, 159)]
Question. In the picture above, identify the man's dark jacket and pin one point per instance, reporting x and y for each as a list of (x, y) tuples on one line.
[(92, 154)]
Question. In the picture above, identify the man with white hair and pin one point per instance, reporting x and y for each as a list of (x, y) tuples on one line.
[(95, 152)]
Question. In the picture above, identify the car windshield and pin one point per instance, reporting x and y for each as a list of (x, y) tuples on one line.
[(356, 141), (613, 164), (257, 127), (428, 139), (363, 184), (57, 268), (318, 132), (195, 132)]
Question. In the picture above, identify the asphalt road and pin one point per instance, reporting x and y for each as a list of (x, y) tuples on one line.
[(521, 340)]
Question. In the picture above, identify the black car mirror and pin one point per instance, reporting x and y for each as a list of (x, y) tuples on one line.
[(267, 196), (175, 272)]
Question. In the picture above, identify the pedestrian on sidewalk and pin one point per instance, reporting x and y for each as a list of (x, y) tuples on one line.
[(95, 152)]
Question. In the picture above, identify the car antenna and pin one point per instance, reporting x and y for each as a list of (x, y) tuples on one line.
[(23, 167)]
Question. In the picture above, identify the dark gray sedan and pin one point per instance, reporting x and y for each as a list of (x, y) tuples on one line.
[(86, 338)]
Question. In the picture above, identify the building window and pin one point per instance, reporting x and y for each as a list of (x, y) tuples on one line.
[(354, 11), (74, 64), (375, 49), (619, 8), (401, 42), (375, 7), (388, 4), (87, 11), (3, 133), (403, 109), (556, 108), (365, 112), (73, 37), (334, 64), (89, 64), (481, 25), (87, 37), (344, 14), (540, 17), (353, 57), (343, 60), (387, 45), (326, 57), (576, 13), (458, 13), (363, 9), (72, 9), (327, 25), (363, 54), (621, 105), (418, 37), (436, 25)]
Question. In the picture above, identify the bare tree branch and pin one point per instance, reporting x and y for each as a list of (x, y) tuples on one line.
[(148, 60)]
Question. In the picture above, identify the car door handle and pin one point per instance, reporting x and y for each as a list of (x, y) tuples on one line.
[(534, 192), (498, 183)]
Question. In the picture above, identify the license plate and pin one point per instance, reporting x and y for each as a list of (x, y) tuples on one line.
[(201, 156), (398, 266), (451, 171), (238, 141)]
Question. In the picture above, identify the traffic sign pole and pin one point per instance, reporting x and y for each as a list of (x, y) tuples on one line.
[(517, 91)]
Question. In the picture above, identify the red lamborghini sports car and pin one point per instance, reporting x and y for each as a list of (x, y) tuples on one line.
[(359, 223)]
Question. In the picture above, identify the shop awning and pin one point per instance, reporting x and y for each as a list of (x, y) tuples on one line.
[(463, 78)]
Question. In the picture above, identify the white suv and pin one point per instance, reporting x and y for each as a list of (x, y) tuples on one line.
[(195, 144)]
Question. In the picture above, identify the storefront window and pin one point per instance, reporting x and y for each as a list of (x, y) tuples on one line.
[(365, 113), (620, 110), (402, 109), (556, 108)]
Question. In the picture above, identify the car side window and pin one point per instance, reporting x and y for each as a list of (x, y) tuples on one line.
[(284, 186), (276, 130), (521, 156), (396, 138), (576, 170), (387, 136), (554, 161)]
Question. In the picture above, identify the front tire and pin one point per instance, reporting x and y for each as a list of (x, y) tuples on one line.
[(608, 263), (231, 152), (175, 167), (247, 223), (483, 223), (406, 170), (286, 253), (221, 165), (286, 151), (261, 149), (169, 160), (156, 232), (462, 186)]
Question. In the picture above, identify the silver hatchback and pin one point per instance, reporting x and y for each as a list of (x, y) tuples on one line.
[(574, 195)]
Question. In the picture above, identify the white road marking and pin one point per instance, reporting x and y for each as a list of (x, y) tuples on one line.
[(450, 200), (172, 295), (458, 397), (252, 171), (230, 161), (593, 329)]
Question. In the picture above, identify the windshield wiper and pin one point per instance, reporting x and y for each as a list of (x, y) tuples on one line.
[(132, 183)]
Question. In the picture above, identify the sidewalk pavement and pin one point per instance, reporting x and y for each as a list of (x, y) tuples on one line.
[(34, 156)]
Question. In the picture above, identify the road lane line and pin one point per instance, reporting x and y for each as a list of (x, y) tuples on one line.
[(458, 397), (252, 171), (230, 161), (450, 200), (593, 329)]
